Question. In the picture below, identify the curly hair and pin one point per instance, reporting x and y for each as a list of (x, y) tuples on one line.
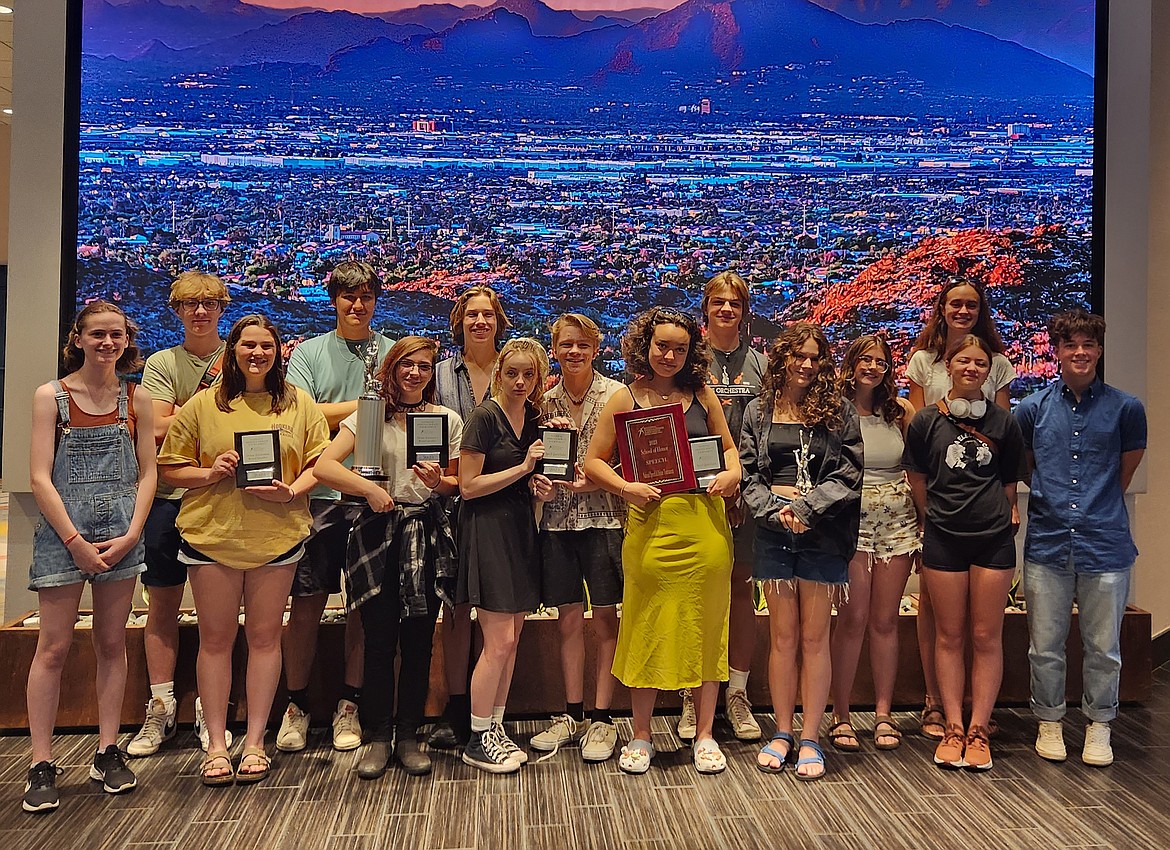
[(822, 403), (885, 394), (1064, 325), (636, 347), (72, 357), (232, 381), (934, 335), (528, 346), (388, 371)]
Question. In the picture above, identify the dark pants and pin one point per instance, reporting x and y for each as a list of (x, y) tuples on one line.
[(386, 636)]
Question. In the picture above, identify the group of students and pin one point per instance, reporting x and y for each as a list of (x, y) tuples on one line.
[(833, 488)]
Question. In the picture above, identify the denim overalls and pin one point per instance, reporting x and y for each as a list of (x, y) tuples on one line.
[(95, 469)]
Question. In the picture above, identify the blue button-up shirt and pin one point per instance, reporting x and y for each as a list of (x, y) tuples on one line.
[(1076, 508)]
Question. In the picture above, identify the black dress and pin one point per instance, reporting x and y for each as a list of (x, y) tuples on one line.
[(497, 533)]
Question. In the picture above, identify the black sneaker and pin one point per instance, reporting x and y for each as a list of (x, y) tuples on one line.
[(40, 789), (109, 768), (487, 752)]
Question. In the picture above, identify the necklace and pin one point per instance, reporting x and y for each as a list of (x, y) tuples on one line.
[(577, 402), (411, 408)]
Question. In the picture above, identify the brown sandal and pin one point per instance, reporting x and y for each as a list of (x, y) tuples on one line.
[(885, 727), (261, 760), (933, 723), (217, 760), (841, 731)]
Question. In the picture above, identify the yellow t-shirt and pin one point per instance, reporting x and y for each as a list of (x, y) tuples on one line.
[(222, 521)]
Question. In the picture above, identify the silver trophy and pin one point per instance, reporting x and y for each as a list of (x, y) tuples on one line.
[(804, 482), (371, 417)]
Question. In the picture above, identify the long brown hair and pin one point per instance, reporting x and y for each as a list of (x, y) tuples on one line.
[(72, 357), (885, 394), (232, 382), (388, 373), (822, 402), (934, 335), (460, 310)]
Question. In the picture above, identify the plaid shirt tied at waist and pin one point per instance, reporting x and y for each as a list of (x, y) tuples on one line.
[(424, 540)]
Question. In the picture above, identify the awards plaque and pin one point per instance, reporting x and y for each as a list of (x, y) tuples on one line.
[(371, 415), (707, 457), (560, 454), (259, 453), (652, 446), (427, 439)]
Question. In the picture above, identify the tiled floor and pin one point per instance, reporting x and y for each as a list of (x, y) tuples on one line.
[(868, 800)]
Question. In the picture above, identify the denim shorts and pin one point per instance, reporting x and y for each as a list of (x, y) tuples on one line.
[(573, 559), (777, 558)]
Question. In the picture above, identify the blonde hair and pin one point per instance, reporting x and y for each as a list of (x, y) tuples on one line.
[(192, 285), (582, 323), (725, 280), (460, 310), (527, 346)]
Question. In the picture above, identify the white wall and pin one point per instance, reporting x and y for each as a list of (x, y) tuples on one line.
[(1137, 261)]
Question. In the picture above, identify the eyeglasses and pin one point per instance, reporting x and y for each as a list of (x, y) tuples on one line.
[(873, 363), (211, 305), (409, 366)]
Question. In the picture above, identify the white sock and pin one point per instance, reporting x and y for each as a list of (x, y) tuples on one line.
[(166, 692), (498, 715), (737, 679), (480, 724)]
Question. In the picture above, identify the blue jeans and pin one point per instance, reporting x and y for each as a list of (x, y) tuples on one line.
[(1101, 599)]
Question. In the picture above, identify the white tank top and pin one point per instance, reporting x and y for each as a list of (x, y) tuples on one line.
[(883, 450)]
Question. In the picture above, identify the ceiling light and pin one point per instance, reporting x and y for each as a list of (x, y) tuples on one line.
[(7, 110), (5, 10)]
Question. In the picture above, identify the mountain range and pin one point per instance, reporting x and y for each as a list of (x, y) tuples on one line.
[(747, 55)]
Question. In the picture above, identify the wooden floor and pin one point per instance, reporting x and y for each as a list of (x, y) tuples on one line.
[(868, 800)]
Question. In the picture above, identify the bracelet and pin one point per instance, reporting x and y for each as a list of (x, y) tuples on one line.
[(71, 538), (622, 492)]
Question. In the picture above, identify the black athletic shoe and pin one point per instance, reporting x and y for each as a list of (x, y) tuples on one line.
[(40, 789), (109, 768)]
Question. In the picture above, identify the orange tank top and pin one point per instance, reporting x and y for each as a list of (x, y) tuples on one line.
[(78, 418)]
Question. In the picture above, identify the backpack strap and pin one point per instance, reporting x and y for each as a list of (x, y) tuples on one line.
[(212, 372), (941, 404)]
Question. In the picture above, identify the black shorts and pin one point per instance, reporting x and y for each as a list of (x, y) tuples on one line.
[(950, 553), (572, 559), (320, 570), (163, 567)]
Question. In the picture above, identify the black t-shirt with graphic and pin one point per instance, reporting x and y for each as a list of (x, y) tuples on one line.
[(736, 378), (964, 476)]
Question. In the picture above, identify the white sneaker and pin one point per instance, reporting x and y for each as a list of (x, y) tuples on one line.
[(687, 725), (515, 754), (563, 730), (201, 728), (159, 726), (294, 730), (347, 731), (599, 742), (1097, 752), (1050, 741), (738, 710)]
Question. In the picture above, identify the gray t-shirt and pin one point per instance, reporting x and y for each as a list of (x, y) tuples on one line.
[(736, 377), (331, 371)]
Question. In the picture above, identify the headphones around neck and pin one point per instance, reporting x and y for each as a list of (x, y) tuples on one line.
[(962, 408)]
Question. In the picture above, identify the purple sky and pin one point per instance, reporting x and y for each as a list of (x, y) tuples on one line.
[(394, 5)]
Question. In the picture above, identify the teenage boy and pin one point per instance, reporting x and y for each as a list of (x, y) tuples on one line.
[(172, 377), (1085, 440), (581, 544), (331, 368)]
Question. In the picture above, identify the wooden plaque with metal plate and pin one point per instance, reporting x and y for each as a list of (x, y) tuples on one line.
[(652, 446)]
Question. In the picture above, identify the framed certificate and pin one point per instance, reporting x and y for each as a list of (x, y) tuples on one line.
[(427, 439), (652, 446), (707, 457), (259, 453), (560, 453)]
